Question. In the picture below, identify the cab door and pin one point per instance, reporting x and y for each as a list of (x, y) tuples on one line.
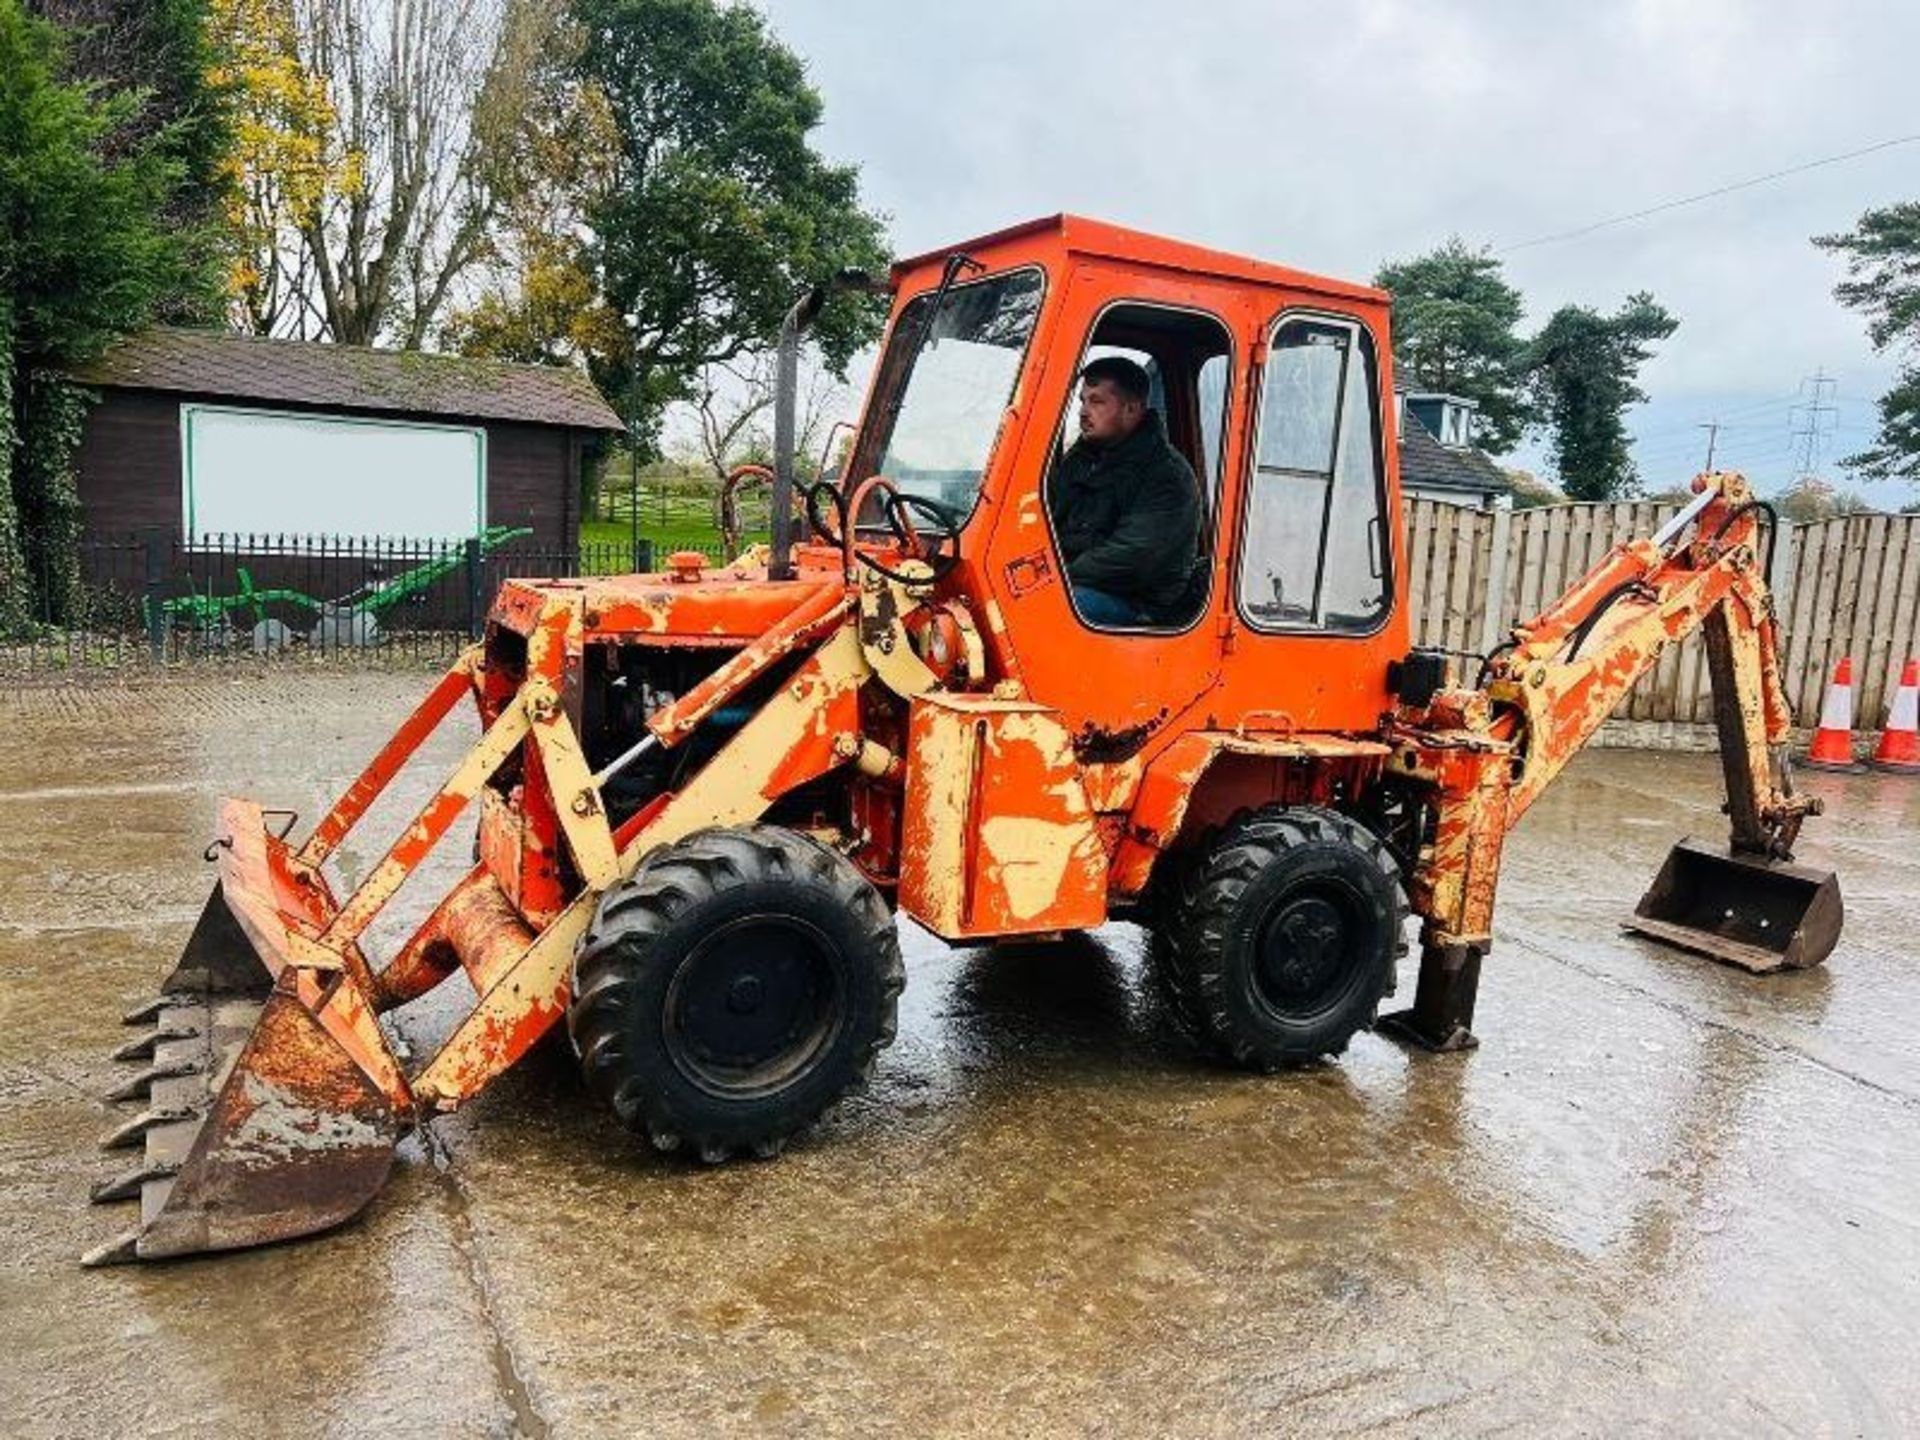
[(1115, 686), (1313, 616)]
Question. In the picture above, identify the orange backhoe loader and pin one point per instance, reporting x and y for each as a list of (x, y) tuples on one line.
[(702, 794)]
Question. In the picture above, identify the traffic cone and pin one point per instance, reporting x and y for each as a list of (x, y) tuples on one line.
[(1899, 748), (1832, 747)]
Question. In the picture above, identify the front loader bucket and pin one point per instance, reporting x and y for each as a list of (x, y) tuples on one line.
[(1761, 915), (268, 1088), (219, 958)]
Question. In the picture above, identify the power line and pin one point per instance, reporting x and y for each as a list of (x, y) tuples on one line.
[(1712, 194), (1746, 407)]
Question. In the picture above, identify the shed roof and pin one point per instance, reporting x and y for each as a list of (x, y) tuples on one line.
[(349, 377)]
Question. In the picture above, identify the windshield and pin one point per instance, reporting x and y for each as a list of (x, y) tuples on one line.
[(938, 418)]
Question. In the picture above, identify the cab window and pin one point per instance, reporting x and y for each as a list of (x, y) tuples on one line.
[(1187, 358), (1315, 549), (947, 377)]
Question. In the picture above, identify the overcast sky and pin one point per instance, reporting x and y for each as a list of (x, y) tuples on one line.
[(1336, 136)]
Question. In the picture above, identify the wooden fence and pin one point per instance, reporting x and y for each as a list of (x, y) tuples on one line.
[(1841, 587)]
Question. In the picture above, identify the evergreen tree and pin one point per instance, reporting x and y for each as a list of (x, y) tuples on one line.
[(87, 252), (1883, 283), (1583, 368), (1456, 330)]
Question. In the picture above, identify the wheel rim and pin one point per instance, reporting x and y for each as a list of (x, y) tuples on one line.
[(1310, 949), (754, 1006)]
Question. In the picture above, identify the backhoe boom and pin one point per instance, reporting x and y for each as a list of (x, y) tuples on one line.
[(1487, 753)]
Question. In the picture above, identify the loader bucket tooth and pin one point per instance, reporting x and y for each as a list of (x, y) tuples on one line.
[(147, 1011), (296, 1135), (127, 1186), (1761, 915), (143, 1047), (139, 1087), (121, 1250), (220, 958), (135, 1130)]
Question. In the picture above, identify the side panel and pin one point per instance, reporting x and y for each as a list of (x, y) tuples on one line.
[(998, 837)]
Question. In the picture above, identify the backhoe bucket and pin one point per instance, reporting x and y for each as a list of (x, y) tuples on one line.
[(269, 1090), (1761, 915)]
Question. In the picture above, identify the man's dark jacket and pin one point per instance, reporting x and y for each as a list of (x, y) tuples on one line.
[(1128, 518)]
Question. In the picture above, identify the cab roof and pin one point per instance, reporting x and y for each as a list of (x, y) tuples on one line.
[(1078, 235)]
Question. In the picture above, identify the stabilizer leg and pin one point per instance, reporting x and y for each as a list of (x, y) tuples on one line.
[(1441, 1018)]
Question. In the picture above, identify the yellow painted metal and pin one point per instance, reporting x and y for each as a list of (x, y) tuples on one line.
[(583, 818), (487, 755), (884, 606), (733, 788)]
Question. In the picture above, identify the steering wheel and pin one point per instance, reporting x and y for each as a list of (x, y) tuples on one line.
[(811, 495), (943, 553), (940, 554)]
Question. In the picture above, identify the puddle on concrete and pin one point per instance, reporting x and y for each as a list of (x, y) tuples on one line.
[(1662, 1195)]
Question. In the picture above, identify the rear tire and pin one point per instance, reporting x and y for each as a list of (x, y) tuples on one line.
[(740, 982), (1279, 938)]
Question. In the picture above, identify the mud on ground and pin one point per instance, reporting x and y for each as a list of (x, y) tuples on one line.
[(1662, 1195)]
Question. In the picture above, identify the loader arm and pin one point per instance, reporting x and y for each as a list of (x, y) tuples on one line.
[(1479, 757), (275, 1097)]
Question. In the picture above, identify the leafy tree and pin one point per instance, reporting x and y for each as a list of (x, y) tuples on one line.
[(87, 252), (156, 56), (279, 165), (718, 210), (1583, 369), (543, 303), (1883, 283), (1455, 330), (1529, 490)]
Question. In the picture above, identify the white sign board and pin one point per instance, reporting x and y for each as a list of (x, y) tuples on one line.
[(263, 472)]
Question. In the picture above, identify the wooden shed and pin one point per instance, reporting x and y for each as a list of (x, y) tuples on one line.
[(206, 434)]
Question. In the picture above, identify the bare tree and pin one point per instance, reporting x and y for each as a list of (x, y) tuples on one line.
[(733, 402), (428, 106)]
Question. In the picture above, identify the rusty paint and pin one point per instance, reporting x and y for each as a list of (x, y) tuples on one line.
[(500, 741), (997, 826), (885, 604), (1026, 573), (997, 837), (815, 613), (788, 742)]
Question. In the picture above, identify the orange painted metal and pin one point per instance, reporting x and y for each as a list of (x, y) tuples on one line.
[(358, 797), (1027, 790), (816, 612), (1216, 673), (998, 837), (1196, 783)]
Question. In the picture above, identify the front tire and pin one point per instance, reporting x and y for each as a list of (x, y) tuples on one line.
[(1279, 939), (738, 984)]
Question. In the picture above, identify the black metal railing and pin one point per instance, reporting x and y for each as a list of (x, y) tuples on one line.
[(154, 600)]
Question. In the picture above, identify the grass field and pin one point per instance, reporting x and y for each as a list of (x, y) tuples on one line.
[(678, 511)]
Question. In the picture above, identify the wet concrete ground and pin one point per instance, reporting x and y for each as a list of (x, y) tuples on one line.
[(1662, 1196)]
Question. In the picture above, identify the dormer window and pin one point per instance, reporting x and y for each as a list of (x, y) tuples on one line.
[(1448, 418)]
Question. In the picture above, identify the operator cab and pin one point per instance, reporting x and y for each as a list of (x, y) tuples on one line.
[(1270, 383)]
